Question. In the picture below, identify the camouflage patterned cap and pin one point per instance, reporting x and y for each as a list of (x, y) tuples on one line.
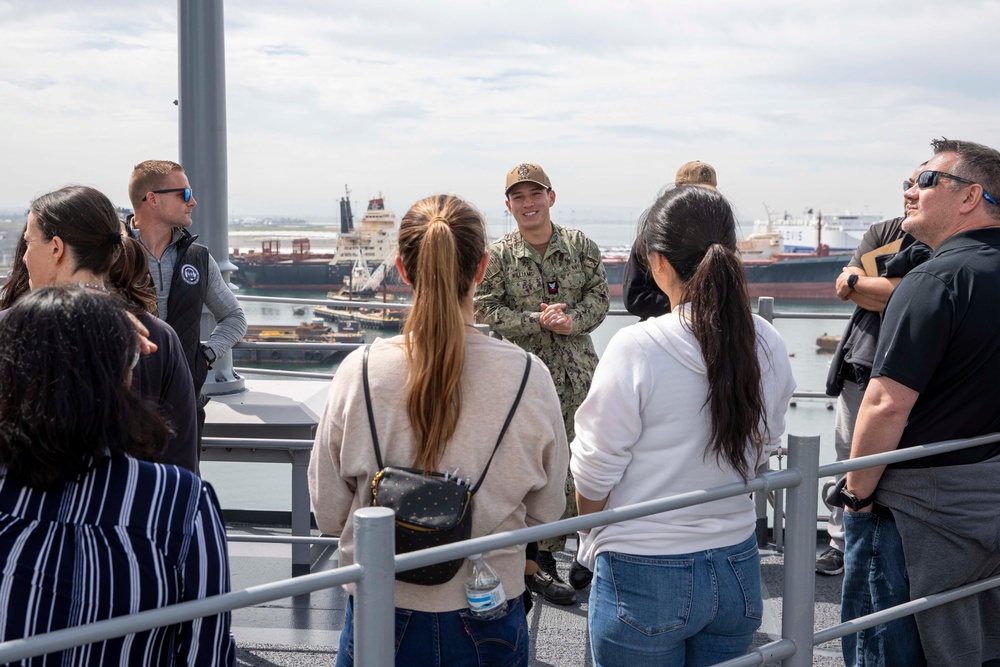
[(696, 173), (527, 172)]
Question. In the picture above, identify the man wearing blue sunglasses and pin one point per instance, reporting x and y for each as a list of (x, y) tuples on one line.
[(929, 525), (185, 274)]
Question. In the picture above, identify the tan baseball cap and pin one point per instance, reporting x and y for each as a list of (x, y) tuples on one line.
[(527, 172), (696, 173)]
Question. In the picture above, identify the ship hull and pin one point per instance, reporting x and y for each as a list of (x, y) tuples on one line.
[(806, 278), (289, 274)]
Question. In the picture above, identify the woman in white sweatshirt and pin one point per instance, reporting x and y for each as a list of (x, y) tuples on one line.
[(689, 400)]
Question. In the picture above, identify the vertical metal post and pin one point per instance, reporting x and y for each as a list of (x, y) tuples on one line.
[(760, 503), (375, 544), (300, 511), (779, 517), (765, 308), (798, 608), (203, 149)]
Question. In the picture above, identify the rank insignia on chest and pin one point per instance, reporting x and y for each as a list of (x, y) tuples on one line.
[(553, 286)]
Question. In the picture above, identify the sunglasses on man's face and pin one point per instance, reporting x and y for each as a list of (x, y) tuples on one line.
[(929, 179), (186, 191)]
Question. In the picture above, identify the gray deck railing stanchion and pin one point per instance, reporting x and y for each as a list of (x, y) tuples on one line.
[(778, 527), (760, 505), (300, 511), (374, 598), (798, 609), (765, 308)]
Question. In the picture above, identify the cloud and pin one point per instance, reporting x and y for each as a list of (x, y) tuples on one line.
[(411, 98)]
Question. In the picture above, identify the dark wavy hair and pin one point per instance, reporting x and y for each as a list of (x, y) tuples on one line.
[(66, 353), (86, 221), (694, 229), (16, 284)]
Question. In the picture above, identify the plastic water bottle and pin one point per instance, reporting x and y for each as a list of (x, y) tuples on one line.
[(484, 590)]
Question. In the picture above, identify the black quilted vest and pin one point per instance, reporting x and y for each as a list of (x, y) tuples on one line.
[(186, 300)]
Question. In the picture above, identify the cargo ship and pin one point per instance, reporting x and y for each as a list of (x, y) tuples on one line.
[(372, 242), (792, 258)]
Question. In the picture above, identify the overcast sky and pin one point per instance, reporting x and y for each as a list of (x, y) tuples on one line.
[(796, 104)]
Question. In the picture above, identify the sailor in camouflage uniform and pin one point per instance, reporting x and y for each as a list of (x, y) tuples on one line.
[(545, 290)]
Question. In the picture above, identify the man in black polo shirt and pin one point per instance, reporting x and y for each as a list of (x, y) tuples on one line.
[(852, 363), (936, 377)]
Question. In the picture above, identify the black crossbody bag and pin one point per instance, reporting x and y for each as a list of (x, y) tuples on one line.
[(430, 510)]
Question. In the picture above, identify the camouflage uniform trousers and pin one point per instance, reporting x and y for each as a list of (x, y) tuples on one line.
[(569, 406)]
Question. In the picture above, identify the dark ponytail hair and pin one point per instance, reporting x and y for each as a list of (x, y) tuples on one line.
[(694, 229), (442, 239), (129, 276)]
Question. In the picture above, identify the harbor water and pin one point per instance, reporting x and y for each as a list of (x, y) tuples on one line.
[(267, 486)]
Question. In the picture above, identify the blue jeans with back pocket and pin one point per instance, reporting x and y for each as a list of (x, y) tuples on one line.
[(686, 609), (453, 638)]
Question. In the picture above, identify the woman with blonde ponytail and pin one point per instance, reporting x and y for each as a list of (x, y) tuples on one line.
[(690, 400), (440, 394)]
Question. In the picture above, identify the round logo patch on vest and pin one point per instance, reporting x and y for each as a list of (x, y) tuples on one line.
[(190, 275)]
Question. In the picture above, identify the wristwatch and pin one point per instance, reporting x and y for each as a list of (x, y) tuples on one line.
[(852, 280), (209, 354), (852, 501)]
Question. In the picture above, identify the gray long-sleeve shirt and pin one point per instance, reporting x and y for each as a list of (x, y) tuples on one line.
[(231, 323)]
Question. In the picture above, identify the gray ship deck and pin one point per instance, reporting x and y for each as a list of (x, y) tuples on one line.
[(305, 630)]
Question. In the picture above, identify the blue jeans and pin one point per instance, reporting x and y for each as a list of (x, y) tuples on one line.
[(875, 579), (450, 638), (687, 609)]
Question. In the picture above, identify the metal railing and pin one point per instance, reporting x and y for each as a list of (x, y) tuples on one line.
[(296, 301), (234, 449), (374, 567)]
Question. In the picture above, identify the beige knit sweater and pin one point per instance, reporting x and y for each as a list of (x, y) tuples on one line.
[(525, 482)]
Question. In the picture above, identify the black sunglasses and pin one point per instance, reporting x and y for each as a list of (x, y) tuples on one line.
[(929, 179), (186, 191)]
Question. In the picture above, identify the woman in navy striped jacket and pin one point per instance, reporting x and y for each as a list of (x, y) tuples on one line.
[(87, 532)]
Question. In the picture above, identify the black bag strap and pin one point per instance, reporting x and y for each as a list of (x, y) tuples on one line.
[(368, 404), (503, 431)]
